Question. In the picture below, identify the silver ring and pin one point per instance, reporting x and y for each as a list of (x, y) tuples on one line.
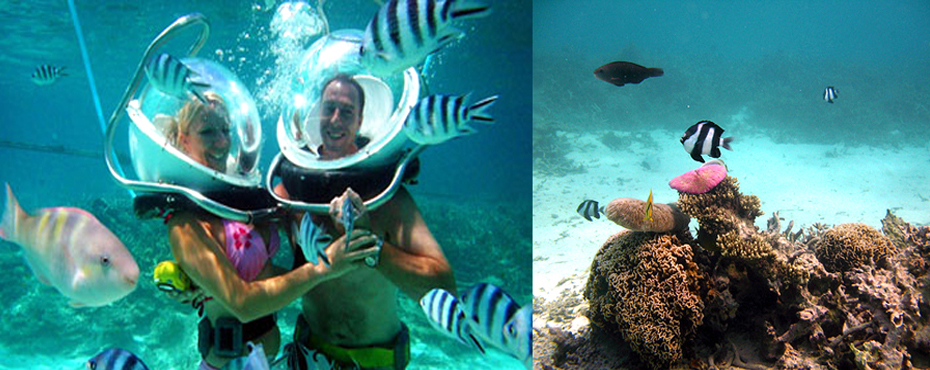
[(372, 261)]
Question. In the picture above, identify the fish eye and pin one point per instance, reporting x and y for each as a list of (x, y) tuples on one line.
[(91, 365), (105, 260)]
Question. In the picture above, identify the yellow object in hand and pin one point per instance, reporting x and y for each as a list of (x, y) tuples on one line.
[(170, 278)]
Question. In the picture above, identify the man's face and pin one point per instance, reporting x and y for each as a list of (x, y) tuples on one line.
[(340, 119)]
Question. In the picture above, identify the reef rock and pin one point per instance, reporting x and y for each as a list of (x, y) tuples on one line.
[(629, 213), (646, 286)]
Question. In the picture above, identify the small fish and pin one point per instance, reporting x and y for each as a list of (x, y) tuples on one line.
[(445, 313), (69, 249), (115, 359), (498, 320), (704, 138), (173, 77), (348, 217), (589, 209), (47, 74), (403, 33), (829, 94), (312, 240), (622, 73), (648, 208), (439, 118)]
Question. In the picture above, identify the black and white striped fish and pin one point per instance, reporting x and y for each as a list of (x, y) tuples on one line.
[(115, 359), (439, 118), (704, 138), (499, 320), (829, 94), (446, 314), (589, 209), (403, 33), (173, 77), (47, 74)]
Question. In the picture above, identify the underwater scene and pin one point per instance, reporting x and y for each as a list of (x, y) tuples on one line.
[(67, 66), (731, 185)]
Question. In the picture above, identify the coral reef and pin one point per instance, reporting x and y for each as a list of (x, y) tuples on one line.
[(647, 287), (847, 246), (629, 212), (845, 297)]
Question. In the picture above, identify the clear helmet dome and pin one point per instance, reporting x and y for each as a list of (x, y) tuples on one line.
[(182, 141), (387, 101)]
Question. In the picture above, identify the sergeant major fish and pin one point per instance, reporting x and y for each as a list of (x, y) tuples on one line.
[(172, 77), (445, 313), (829, 94), (312, 240), (47, 74), (498, 320), (69, 249), (439, 118), (704, 138), (403, 33), (115, 359), (589, 209)]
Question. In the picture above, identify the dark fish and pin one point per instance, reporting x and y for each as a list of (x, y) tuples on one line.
[(47, 74), (829, 94), (589, 209), (704, 138), (115, 359), (622, 73)]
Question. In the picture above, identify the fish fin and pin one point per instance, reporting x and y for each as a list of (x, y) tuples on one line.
[(474, 342), (12, 214), (477, 111), (656, 72), (464, 9), (725, 142), (200, 97), (715, 152), (697, 157)]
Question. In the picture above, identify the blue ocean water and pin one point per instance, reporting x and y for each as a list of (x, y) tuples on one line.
[(473, 191)]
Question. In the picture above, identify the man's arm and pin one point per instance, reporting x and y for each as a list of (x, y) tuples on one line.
[(410, 257)]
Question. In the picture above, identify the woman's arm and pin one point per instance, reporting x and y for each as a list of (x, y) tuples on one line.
[(201, 257)]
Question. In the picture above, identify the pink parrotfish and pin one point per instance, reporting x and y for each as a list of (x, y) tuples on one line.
[(69, 249)]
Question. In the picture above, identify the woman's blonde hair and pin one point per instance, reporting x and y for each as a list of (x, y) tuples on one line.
[(192, 110)]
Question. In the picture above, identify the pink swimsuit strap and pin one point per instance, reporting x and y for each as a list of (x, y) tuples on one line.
[(245, 248)]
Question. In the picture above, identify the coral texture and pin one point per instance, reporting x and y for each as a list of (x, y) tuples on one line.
[(851, 245), (700, 180), (727, 220), (629, 213), (646, 286)]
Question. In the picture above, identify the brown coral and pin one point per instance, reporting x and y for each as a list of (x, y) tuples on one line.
[(846, 246), (647, 287), (629, 213), (727, 220)]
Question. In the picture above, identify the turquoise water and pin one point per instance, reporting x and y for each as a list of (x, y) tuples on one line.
[(473, 191)]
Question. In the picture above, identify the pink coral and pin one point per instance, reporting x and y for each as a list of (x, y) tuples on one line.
[(700, 180)]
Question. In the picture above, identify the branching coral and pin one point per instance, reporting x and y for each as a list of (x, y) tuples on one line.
[(846, 246), (647, 287), (726, 217)]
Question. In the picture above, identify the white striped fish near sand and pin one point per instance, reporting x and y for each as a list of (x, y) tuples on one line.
[(440, 118), (69, 249), (403, 33)]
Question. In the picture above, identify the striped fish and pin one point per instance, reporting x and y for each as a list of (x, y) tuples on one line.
[(47, 74), (498, 320), (439, 118), (704, 138), (446, 315), (403, 33), (115, 359), (173, 77), (72, 251), (312, 240), (589, 209), (829, 94)]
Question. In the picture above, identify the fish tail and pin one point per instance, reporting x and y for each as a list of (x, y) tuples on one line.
[(12, 213), (477, 111), (463, 9), (725, 143)]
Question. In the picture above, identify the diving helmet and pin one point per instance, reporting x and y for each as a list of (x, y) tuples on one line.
[(220, 103)]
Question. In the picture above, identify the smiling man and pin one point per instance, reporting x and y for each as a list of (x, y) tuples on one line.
[(340, 116)]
